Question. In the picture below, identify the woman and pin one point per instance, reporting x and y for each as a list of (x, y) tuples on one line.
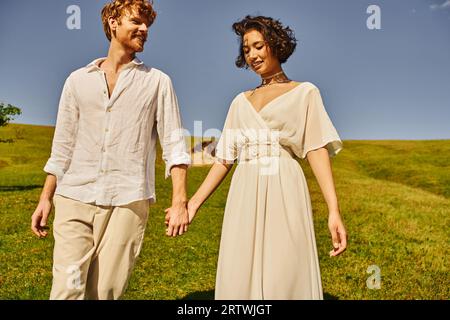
[(268, 248)]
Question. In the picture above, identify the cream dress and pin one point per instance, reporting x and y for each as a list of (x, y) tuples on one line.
[(268, 248)]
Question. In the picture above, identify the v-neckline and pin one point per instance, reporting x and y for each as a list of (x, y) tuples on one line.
[(271, 101), (114, 89)]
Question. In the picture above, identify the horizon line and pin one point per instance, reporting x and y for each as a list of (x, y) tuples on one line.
[(350, 139)]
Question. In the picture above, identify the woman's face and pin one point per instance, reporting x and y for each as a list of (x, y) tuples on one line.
[(258, 55)]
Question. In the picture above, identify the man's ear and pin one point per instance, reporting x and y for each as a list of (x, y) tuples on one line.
[(113, 24)]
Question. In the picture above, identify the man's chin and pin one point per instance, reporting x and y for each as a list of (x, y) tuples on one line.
[(139, 48)]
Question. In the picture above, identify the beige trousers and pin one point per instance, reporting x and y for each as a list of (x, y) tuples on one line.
[(95, 248)]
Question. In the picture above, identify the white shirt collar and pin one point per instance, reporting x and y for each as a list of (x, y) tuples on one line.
[(94, 65)]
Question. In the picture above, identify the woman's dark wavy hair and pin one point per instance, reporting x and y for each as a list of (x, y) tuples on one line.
[(281, 39)]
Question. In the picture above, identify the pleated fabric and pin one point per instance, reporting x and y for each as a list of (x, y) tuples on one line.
[(268, 248)]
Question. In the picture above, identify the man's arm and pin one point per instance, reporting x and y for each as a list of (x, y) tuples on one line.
[(170, 132), (61, 156), (40, 216), (177, 218), (65, 133)]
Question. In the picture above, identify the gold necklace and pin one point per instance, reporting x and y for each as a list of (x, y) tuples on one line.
[(279, 77), (273, 76)]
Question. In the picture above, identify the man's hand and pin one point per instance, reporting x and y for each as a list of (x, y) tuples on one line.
[(191, 209), (40, 217), (176, 220)]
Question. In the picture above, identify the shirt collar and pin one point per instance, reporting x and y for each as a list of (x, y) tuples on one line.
[(94, 65)]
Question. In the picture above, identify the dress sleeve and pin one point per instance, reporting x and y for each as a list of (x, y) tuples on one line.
[(319, 130), (226, 149)]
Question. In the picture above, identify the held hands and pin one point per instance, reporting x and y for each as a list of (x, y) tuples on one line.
[(177, 219), (187, 212), (338, 234), (40, 217)]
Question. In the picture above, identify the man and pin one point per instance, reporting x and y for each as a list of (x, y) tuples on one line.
[(101, 170)]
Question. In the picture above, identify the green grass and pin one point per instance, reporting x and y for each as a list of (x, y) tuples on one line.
[(394, 197)]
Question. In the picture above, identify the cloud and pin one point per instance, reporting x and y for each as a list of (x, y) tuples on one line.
[(445, 5)]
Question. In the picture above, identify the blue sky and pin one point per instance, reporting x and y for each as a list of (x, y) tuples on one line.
[(391, 83)]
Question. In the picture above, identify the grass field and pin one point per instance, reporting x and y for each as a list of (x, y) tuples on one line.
[(394, 197)]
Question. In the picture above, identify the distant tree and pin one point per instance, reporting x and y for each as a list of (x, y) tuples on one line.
[(7, 113)]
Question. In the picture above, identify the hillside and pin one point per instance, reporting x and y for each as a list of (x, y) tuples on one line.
[(394, 197)]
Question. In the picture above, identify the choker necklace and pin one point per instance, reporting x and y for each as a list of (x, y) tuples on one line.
[(279, 77), (273, 76)]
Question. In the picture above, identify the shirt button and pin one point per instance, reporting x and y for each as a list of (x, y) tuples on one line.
[(106, 130), (103, 149), (108, 109)]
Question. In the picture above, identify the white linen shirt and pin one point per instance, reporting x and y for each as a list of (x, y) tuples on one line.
[(104, 147)]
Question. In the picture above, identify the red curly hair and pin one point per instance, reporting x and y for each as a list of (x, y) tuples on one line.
[(118, 8)]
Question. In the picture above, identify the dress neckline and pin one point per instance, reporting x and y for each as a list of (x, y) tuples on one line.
[(273, 100)]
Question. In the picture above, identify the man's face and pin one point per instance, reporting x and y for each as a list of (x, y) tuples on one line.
[(132, 31)]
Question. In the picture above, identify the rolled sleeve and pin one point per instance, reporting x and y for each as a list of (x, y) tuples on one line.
[(176, 159), (52, 168), (65, 133), (170, 129)]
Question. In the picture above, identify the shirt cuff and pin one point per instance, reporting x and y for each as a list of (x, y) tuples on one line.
[(53, 169), (176, 159)]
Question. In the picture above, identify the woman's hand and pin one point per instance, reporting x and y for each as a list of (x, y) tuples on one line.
[(192, 208), (338, 234)]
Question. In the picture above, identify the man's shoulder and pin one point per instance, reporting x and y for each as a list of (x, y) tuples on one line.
[(79, 73), (155, 72), (150, 72), (74, 76)]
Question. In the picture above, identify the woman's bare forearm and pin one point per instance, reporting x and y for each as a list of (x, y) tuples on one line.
[(319, 161), (215, 176)]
